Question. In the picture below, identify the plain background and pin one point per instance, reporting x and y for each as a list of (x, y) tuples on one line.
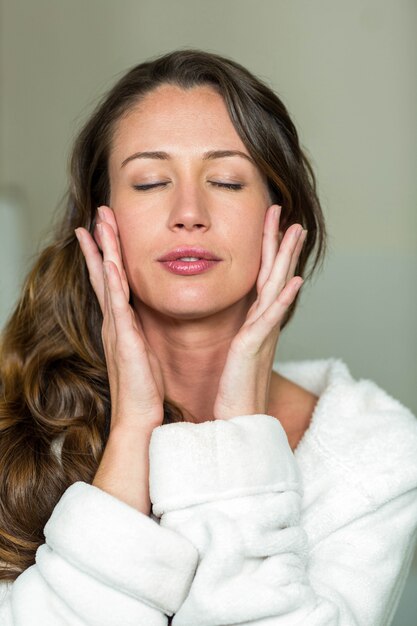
[(347, 72)]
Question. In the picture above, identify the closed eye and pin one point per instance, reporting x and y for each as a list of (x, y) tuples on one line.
[(231, 186)]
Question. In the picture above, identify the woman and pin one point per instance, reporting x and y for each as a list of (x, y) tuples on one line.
[(153, 463)]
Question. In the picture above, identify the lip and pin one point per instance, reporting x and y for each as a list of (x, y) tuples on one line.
[(189, 268), (196, 251)]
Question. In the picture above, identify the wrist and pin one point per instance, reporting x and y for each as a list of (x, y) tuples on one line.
[(131, 432), (124, 467)]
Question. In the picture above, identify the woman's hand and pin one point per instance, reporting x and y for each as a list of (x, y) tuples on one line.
[(135, 376), (244, 384)]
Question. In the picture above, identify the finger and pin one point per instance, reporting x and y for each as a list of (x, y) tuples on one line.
[(296, 256), (111, 252), (276, 281), (275, 313), (106, 214), (109, 325), (269, 246), (93, 261), (119, 305), (96, 236), (120, 308)]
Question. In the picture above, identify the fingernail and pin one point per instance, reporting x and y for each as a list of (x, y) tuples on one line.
[(77, 234), (101, 213), (277, 211)]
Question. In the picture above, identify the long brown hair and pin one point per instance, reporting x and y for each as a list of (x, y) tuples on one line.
[(53, 377)]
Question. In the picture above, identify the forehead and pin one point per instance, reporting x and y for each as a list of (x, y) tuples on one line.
[(170, 116)]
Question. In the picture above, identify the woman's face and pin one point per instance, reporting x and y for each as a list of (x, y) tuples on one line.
[(187, 207)]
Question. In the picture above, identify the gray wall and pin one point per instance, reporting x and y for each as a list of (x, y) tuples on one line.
[(346, 71)]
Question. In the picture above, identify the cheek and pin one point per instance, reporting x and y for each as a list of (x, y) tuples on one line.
[(246, 256), (250, 236), (252, 262), (133, 238)]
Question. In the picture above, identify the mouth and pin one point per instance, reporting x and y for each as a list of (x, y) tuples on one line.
[(189, 268), (189, 255)]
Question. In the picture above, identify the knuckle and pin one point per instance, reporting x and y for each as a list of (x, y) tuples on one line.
[(118, 310)]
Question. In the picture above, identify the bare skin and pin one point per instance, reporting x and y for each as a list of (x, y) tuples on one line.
[(292, 405), (207, 342), (189, 323)]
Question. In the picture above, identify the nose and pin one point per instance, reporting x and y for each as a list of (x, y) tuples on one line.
[(189, 209)]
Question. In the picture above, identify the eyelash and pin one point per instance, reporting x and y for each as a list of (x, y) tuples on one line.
[(231, 186)]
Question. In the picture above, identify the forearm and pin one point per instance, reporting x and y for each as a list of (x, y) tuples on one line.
[(124, 468)]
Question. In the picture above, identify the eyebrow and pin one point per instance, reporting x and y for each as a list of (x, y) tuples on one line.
[(211, 154)]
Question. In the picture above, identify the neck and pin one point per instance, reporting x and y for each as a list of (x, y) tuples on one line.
[(192, 352)]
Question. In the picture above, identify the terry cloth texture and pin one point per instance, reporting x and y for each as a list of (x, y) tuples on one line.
[(242, 529)]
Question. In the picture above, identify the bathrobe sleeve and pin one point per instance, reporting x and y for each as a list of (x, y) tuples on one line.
[(103, 563), (233, 489)]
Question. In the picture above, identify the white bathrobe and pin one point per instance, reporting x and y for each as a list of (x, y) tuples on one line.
[(243, 530)]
